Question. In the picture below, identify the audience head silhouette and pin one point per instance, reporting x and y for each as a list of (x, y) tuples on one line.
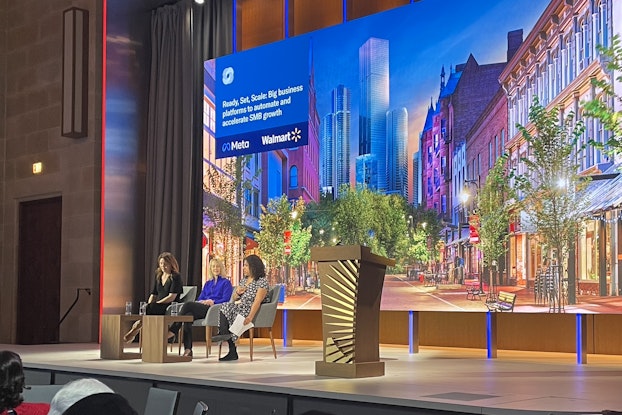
[(75, 391), (12, 380), (101, 404)]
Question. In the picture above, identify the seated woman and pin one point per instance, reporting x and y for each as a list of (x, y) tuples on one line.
[(246, 301), (217, 289), (12, 384), (166, 288)]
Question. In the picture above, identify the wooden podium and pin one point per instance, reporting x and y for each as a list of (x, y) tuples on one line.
[(351, 280)]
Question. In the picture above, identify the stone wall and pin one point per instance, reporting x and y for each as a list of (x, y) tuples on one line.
[(31, 48), (9, 300)]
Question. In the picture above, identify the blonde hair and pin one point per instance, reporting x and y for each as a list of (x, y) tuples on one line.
[(210, 274)]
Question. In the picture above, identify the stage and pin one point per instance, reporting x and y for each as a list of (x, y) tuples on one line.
[(435, 379)]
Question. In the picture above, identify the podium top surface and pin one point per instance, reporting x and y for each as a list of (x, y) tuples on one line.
[(339, 252)]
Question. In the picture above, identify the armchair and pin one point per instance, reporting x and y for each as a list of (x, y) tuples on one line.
[(264, 319), (210, 321)]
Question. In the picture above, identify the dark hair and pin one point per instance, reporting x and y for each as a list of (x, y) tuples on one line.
[(12, 380), (255, 266), (101, 403), (169, 259)]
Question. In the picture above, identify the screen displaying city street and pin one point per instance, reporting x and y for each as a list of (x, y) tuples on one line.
[(382, 131)]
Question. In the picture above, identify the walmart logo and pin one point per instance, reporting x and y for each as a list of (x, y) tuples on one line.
[(295, 134)]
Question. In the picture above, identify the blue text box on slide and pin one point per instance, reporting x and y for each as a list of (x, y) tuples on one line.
[(262, 99)]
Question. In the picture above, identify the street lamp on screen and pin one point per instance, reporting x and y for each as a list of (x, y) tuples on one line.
[(464, 197), (468, 210), (562, 183)]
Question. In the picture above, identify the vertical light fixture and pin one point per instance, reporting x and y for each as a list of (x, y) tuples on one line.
[(75, 73)]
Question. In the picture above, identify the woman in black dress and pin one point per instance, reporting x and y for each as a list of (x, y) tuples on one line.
[(167, 287)]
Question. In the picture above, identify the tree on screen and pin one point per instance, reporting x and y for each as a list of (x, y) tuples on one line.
[(278, 217), (550, 188), (353, 217), (603, 106), (425, 234), (493, 209), (225, 206), (300, 252), (318, 217), (391, 227), (417, 252)]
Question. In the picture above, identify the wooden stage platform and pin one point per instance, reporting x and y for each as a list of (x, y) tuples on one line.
[(433, 381)]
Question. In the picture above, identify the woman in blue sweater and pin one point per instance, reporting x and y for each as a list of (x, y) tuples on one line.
[(217, 289)]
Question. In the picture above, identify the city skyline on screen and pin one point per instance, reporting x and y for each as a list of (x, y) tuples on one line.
[(422, 40)]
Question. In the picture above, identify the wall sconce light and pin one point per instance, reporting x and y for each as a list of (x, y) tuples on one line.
[(75, 73), (37, 168)]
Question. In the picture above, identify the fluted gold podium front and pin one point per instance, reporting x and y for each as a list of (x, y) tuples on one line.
[(351, 280)]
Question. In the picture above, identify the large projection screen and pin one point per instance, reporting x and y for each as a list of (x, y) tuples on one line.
[(391, 64)]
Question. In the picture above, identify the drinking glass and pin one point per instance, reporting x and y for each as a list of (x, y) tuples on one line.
[(142, 308), (128, 308), (174, 308)]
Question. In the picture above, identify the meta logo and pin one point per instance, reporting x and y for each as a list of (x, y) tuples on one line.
[(227, 75), (235, 145)]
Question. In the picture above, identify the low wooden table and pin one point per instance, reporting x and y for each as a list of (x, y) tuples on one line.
[(155, 338), (114, 326)]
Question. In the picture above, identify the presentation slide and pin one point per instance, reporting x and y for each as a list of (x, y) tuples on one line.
[(262, 99)]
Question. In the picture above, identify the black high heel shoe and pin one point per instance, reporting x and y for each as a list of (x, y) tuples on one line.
[(232, 355), (233, 352)]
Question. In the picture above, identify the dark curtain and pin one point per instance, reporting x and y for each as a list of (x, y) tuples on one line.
[(183, 36)]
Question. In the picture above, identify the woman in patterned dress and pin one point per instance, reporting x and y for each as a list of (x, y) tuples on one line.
[(246, 301)]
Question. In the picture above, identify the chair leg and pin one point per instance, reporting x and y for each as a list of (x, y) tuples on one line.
[(180, 339), (208, 340), (251, 335), (272, 341)]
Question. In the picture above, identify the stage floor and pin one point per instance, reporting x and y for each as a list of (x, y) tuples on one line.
[(450, 379)]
